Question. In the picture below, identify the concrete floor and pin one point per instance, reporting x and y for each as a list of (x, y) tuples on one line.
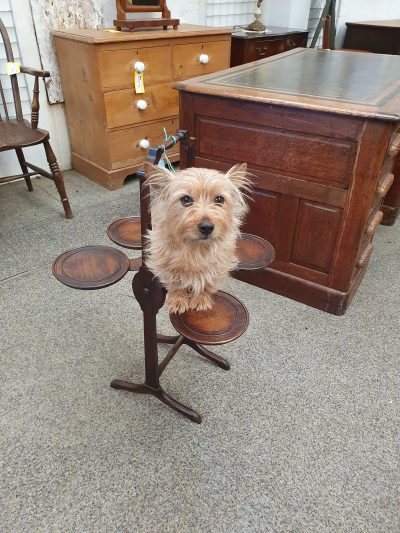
[(302, 435)]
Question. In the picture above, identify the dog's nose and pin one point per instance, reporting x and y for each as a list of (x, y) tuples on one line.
[(206, 227)]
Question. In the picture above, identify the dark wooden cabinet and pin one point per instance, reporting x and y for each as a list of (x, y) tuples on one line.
[(382, 37), (250, 47), (378, 36), (319, 131)]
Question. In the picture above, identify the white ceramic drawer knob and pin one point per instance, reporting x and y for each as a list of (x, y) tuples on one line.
[(203, 58), (141, 105), (139, 66), (144, 143)]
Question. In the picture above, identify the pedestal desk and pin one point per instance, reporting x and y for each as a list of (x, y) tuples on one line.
[(106, 119), (247, 47), (319, 130), (382, 37)]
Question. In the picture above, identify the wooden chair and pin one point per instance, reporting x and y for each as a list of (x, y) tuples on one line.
[(17, 133)]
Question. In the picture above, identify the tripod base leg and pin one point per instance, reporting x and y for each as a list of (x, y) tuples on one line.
[(160, 394), (211, 356)]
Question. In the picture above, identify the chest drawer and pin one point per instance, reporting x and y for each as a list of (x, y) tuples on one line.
[(125, 147), (186, 58), (121, 106), (117, 66), (266, 48)]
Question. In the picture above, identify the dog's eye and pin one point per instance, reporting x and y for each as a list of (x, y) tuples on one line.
[(219, 200), (186, 200)]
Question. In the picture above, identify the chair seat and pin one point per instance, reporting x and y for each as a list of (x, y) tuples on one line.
[(18, 134)]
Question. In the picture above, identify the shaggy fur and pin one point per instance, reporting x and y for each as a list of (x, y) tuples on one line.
[(190, 264)]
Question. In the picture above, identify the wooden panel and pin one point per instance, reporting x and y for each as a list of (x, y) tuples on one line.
[(372, 38), (186, 58), (162, 101), (366, 174), (299, 120), (287, 185), (116, 67), (318, 158), (316, 235), (84, 104), (124, 144), (263, 215)]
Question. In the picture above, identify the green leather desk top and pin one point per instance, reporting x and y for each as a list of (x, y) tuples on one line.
[(343, 82)]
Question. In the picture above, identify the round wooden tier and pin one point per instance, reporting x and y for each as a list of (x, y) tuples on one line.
[(91, 267), (224, 322), (253, 252), (126, 232)]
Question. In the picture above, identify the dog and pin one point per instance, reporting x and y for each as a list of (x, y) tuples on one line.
[(196, 215)]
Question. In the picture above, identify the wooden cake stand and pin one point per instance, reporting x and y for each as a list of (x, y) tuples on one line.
[(96, 267)]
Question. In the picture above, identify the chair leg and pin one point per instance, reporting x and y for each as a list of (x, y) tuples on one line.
[(24, 168), (58, 179)]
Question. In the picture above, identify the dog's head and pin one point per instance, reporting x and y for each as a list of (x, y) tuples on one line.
[(198, 204)]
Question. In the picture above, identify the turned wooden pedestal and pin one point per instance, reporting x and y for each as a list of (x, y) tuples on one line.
[(96, 267)]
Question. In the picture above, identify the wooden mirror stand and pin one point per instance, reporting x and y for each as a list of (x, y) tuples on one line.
[(143, 6)]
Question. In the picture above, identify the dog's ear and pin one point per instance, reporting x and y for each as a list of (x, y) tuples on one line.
[(157, 177), (237, 175)]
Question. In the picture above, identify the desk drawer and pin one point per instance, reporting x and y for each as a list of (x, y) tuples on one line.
[(325, 160), (270, 47), (121, 106), (186, 58), (124, 144), (116, 66)]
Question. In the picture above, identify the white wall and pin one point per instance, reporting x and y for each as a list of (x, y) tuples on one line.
[(359, 10), (286, 13)]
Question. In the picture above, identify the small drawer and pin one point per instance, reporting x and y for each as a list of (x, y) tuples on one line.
[(125, 147), (295, 42), (187, 60), (270, 47), (117, 66), (122, 106)]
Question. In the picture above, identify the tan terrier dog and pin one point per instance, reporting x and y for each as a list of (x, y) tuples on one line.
[(196, 215)]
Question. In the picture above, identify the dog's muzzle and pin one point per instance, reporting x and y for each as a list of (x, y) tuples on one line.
[(205, 228)]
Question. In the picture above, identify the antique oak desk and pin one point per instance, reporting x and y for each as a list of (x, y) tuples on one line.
[(247, 47), (318, 131), (110, 125), (383, 37)]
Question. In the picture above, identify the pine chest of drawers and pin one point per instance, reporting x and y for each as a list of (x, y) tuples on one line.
[(105, 116)]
